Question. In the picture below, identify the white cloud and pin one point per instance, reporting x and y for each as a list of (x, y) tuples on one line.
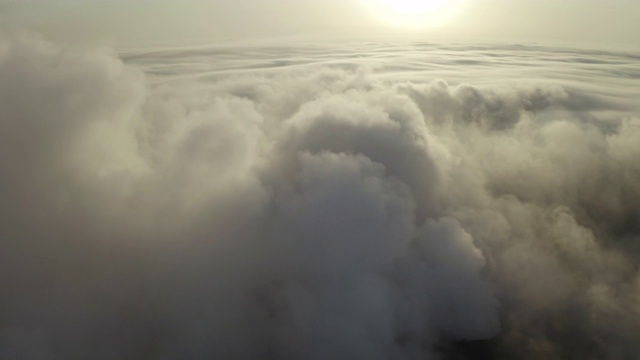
[(309, 212)]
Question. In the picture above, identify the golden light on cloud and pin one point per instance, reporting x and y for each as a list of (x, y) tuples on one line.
[(414, 13)]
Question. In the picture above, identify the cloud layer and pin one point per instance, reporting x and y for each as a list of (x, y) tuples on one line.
[(167, 207)]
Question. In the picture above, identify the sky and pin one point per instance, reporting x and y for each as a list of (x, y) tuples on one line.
[(127, 23), (207, 179)]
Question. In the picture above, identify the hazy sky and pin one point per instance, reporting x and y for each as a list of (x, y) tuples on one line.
[(120, 22), (381, 200)]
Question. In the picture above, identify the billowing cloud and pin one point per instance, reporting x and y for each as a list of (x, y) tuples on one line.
[(312, 210)]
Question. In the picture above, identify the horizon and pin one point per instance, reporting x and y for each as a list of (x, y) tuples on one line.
[(122, 24)]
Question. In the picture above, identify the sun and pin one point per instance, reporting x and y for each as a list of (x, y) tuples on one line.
[(413, 13), (412, 7)]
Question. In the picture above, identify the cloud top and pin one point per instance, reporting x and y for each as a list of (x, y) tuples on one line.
[(316, 210)]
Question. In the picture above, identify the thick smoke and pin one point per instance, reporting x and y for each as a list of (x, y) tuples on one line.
[(310, 213)]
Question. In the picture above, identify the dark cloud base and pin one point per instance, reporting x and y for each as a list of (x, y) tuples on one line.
[(353, 201)]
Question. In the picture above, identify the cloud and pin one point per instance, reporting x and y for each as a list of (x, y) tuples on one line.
[(309, 213)]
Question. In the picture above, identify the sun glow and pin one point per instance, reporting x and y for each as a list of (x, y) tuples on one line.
[(414, 13)]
